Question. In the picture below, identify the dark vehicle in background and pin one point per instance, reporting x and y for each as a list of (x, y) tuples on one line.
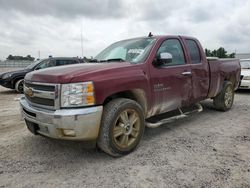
[(14, 79), (245, 74)]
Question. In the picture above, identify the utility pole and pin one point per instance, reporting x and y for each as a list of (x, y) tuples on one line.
[(38, 54)]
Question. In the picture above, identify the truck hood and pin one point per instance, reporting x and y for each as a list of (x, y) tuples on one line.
[(65, 74)]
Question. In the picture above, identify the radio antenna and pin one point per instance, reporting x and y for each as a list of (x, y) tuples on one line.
[(81, 41)]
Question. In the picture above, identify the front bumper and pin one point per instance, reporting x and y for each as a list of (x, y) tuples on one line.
[(245, 84), (67, 124)]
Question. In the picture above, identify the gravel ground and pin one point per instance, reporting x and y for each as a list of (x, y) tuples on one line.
[(210, 149)]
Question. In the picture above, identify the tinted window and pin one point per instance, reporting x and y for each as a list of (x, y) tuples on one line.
[(194, 51), (45, 64), (65, 62), (172, 46), (33, 65)]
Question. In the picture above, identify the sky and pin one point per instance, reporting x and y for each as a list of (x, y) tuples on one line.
[(54, 27)]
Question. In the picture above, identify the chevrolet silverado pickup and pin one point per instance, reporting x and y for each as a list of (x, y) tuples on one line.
[(131, 84)]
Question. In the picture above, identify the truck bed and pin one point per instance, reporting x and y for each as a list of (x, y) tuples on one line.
[(220, 70)]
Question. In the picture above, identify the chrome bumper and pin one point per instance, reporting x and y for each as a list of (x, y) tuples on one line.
[(68, 124)]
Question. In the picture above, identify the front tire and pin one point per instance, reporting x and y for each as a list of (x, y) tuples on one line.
[(224, 100), (122, 127), (19, 86)]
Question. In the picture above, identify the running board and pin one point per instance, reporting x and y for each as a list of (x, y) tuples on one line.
[(176, 117)]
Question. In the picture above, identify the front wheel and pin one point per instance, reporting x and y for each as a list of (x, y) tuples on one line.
[(224, 100), (122, 127), (19, 86)]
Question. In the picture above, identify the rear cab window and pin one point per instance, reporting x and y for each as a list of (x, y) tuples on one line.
[(194, 51)]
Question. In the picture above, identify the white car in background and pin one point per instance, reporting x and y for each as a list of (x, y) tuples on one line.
[(245, 74)]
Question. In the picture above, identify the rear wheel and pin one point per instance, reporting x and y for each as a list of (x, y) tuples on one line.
[(224, 100), (19, 86), (122, 127)]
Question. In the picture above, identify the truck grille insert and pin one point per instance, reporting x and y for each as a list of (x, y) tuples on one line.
[(41, 101), (41, 87), (42, 95)]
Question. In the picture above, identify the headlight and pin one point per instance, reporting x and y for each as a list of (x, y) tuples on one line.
[(7, 75), (77, 94), (246, 78)]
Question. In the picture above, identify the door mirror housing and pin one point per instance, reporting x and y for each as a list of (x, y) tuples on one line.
[(165, 58)]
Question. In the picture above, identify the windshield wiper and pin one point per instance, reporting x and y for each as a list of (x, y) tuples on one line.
[(106, 60), (93, 60), (114, 59)]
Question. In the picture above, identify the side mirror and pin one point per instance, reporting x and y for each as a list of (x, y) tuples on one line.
[(165, 58)]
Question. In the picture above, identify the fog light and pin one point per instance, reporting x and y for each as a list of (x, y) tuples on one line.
[(69, 132)]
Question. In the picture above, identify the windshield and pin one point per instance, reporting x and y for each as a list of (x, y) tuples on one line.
[(32, 65), (132, 50), (245, 64)]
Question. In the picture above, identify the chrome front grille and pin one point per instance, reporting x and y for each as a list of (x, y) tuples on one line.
[(42, 95)]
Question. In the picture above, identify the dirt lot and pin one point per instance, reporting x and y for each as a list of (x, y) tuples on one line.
[(210, 149)]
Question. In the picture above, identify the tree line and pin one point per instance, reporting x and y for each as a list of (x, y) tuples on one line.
[(220, 53), (17, 57)]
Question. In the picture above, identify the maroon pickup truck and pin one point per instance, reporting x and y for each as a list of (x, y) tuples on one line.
[(131, 84)]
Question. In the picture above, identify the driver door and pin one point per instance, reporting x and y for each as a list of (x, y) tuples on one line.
[(171, 82)]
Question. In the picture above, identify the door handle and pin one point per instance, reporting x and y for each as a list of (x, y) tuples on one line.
[(187, 73)]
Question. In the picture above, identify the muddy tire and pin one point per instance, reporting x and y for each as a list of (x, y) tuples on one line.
[(121, 128), (224, 100), (19, 86)]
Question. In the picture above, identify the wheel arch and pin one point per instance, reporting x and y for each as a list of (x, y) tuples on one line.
[(137, 95), (16, 79), (232, 79)]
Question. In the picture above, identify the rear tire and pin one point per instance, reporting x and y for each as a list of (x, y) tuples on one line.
[(121, 128), (224, 100), (19, 86)]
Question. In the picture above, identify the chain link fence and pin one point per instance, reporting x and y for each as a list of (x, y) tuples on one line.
[(15, 64)]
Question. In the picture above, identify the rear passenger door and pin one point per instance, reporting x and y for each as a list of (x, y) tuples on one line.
[(199, 68)]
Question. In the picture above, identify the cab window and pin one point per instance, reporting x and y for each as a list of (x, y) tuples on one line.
[(194, 51), (173, 47)]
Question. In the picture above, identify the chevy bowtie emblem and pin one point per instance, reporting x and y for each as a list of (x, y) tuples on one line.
[(29, 92)]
